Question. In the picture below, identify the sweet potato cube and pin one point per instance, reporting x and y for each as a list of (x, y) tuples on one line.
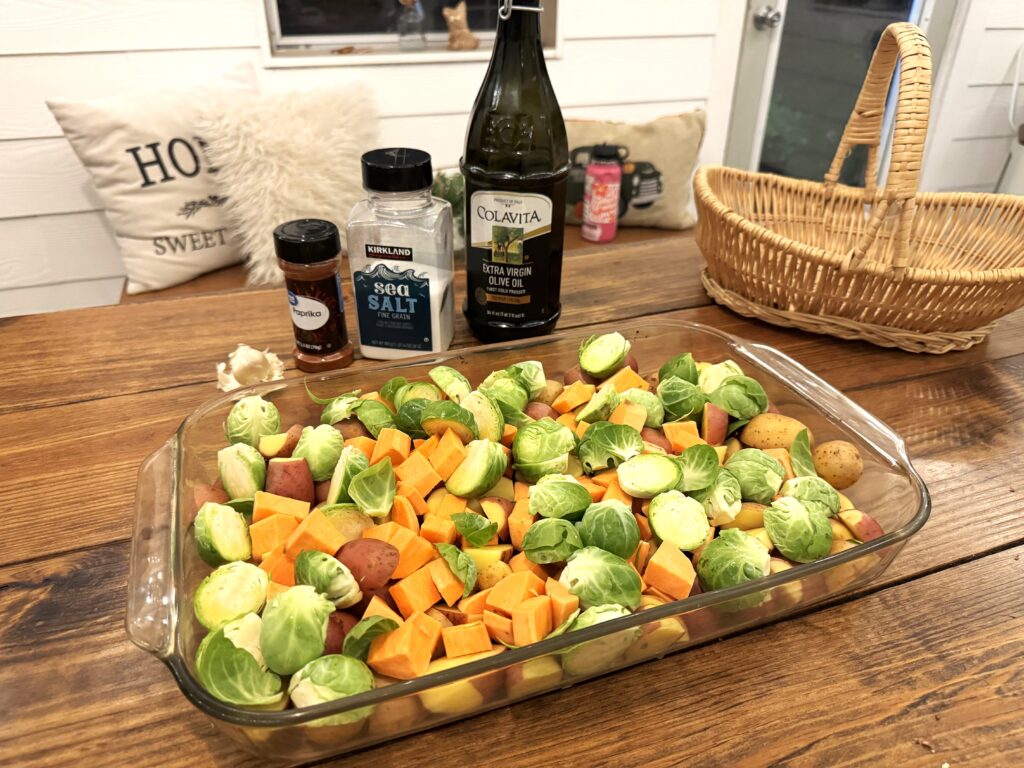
[(426, 447), (364, 444), (449, 453), (519, 522), (271, 533), (508, 435), (465, 639), (417, 499), (413, 551), (438, 530), (563, 602), (405, 653), (391, 443), (274, 589), (475, 603), (531, 620), (314, 532), (606, 478), (415, 593), (376, 396), (581, 428), (450, 505), (417, 472), (514, 589), (573, 396), (596, 491), (521, 491), (614, 491), (670, 571), (630, 414), (266, 504), (645, 527), (567, 420), (448, 584), (626, 378), (279, 567), (521, 562), (403, 513), (499, 627), (641, 556), (681, 435), (377, 607)]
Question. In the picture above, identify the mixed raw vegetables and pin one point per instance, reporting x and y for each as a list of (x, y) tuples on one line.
[(432, 523)]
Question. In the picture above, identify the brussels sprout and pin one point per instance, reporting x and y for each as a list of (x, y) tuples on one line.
[(647, 475), (339, 409), (328, 576), (601, 356), (357, 641), (679, 520), (242, 507), (532, 473), (483, 466), (733, 557), (351, 462), (330, 678), (251, 418), (605, 446), (722, 499), (294, 628), (230, 666), (243, 470), (551, 541), (814, 493), (598, 577), (375, 416), (513, 415), (347, 519), (222, 535), (597, 655), (800, 455), (760, 475), (410, 417), (530, 375), (681, 366), (800, 534), (476, 529), (373, 489), (444, 415), (451, 382), (559, 496), (601, 405), (461, 564), (610, 525), (682, 400), (505, 388), (229, 593), (487, 415), (712, 375), (542, 440), (650, 403), (741, 397), (417, 390), (321, 447), (699, 467), (391, 387)]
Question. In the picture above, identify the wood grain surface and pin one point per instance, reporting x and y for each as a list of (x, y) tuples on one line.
[(925, 666)]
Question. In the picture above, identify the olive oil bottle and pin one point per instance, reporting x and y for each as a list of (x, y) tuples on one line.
[(516, 165)]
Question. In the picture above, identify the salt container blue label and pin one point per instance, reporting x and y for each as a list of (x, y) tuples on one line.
[(393, 308)]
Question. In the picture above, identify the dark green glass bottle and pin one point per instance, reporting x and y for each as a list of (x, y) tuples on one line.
[(516, 165)]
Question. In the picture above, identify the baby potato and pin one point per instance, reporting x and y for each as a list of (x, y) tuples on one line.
[(772, 430), (492, 574), (839, 463)]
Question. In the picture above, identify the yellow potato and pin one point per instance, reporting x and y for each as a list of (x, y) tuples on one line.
[(839, 463), (492, 574), (772, 430)]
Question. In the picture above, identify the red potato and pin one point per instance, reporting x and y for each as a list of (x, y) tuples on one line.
[(453, 615), (293, 434), (203, 492), (371, 562), (320, 490), (577, 374), (339, 624), (632, 363), (539, 411), (352, 427), (656, 437), (291, 478), (714, 424)]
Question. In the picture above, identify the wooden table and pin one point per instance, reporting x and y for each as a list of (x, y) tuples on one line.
[(925, 667)]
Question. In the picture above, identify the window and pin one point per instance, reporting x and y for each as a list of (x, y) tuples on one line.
[(353, 27)]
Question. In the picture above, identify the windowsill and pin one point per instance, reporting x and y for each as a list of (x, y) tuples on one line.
[(368, 55)]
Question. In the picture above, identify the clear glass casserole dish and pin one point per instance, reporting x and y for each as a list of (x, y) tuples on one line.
[(165, 567)]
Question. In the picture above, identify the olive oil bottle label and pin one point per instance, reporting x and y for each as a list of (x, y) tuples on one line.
[(507, 255), (393, 308)]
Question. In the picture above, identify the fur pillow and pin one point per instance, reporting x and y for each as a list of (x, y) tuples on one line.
[(289, 155)]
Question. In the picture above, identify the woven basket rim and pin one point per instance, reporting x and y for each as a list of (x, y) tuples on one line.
[(835, 260)]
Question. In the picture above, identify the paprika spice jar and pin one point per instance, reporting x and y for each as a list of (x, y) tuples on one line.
[(308, 251)]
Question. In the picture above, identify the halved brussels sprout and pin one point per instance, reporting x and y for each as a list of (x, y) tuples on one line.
[(347, 519), (598, 577), (330, 678), (647, 475), (598, 655), (699, 466), (601, 405), (351, 462), (391, 387), (532, 473), (679, 520), (814, 493), (512, 415), (373, 489), (601, 356), (409, 418), (375, 416), (250, 419), (650, 403), (541, 441), (740, 396), (487, 415), (800, 455), (230, 666), (444, 415), (476, 529), (760, 475), (229, 593), (505, 388), (681, 366), (605, 446), (328, 576), (722, 499), (551, 540), (243, 470), (732, 558), (339, 409), (294, 628), (530, 374), (559, 496), (417, 390), (682, 400), (798, 533), (610, 525), (712, 375), (451, 382), (321, 447), (484, 464), (222, 535)]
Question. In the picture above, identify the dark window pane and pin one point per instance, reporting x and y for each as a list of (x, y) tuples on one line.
[(371, 17)]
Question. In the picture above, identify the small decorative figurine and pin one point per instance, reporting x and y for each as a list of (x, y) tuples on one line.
[(459, 36)]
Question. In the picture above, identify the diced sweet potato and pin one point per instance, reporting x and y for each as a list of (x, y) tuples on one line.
[(626, 378), (499, 627), (450, 505), (405, 653), (449, 453), (464, 639), (417, 471), (606, 478), (596, 491), (413, 551), (573, 396), (418, 500), (378, 607), (393, 444), (403, 513), (415, 593), (681, 435), (514, 589), (567, 420), (426, 447), (614, 491), (563, 602), (475, 603), (630, 414), (521, 562), (508, 435), (279, 567), (266, 504), (314, 532), (531, 620), (448, 584), (364, 444), (270, 533), (438, 530), (670, 571)]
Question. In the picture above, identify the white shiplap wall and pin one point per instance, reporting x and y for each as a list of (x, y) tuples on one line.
[(969, 135), (624, 61)]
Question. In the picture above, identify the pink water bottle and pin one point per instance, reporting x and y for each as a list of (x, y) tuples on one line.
[(601, 195)]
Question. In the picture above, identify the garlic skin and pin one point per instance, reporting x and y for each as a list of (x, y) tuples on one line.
[(247, 366)]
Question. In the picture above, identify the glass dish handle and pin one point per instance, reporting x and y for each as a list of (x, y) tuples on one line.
[(150, 617)]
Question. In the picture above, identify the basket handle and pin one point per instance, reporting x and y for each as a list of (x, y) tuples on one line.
[(905, 44)]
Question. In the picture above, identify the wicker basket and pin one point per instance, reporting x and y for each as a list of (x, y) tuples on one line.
[(922, 272)]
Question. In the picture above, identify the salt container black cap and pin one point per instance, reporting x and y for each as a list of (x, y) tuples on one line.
[(606, 152), (307, 241), (397, 170)]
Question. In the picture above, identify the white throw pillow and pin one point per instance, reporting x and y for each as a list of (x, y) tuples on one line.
[(289, 155), (150, 169)]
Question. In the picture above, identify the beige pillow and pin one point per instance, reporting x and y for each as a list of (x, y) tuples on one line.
[(148, 164), (659, 159)]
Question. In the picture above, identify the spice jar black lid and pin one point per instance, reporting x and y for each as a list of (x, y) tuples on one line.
[(307, 241), (397, 169), (606, 152)]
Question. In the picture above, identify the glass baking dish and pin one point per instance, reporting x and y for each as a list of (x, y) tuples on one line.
[(165, 567)]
